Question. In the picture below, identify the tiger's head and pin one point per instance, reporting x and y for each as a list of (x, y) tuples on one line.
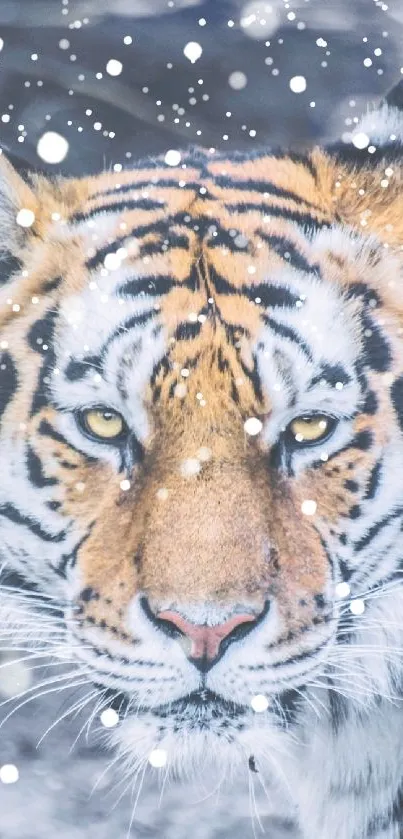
[(201, 407)]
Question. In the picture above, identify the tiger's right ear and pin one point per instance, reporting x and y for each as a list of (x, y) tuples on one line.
[(19, 212)]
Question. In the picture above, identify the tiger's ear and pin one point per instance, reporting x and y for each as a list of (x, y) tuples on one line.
[(378, 135), (383, 125), (19, 210)]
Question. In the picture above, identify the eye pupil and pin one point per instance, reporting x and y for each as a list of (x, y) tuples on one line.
[(101, 424), (311, 429)]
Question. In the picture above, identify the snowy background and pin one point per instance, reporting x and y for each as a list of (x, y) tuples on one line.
[(114, 87)]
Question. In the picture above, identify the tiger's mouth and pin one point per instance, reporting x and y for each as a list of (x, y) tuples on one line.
[(203, 704)]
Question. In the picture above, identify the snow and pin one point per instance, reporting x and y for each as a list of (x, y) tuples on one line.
[(52, 147), (173, 157), (357, 607), (237, 80), (298, 84), (114, 67), (9, 773), (158, 758), (252, 426), (192, 50), (308, 507), (259, 703), (342, 590), (109, 718), (25, 218)]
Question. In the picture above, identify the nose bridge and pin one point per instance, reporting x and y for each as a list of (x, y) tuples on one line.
[(205, 530)]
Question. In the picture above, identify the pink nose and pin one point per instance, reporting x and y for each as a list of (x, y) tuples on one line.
[(205, 640)]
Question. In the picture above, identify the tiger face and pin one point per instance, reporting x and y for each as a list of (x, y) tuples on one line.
[(201, 445)]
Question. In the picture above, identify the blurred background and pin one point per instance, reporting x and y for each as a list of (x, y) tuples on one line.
[(88, 84)]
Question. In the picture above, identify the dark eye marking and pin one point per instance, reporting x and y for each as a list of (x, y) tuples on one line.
[(396, 393), (8, 381)]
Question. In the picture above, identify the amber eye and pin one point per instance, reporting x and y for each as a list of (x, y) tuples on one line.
[(102, 424), (311, 429)]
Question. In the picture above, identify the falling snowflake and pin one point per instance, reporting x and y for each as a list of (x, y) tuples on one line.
[(259, 703), (114, 67), (52, 147), (158, 758), (298, 84), (237, 80), (25, 218), (192, 51)]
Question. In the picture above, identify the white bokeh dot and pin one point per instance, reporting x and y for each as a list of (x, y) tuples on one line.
[(297, 84), (259, 703), (158, 758), (237, 80), (357, 607), (308, 507), (360, 140), (125, 485), (9, 773), (342, 590), (192, 50), (252, 426), (173, 157), (52, 147), (190, 467), (25, 217), (114, 67), (109, 718)]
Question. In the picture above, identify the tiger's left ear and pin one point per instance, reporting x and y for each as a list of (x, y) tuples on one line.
[(19, 210), (383, 125), (377, 136)]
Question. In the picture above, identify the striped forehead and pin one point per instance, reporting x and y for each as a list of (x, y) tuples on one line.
[(139, 312)]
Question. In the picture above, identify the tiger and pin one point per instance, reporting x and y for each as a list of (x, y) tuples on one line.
[(201, 437)]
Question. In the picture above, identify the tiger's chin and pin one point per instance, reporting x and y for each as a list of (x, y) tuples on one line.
[(203, 737)]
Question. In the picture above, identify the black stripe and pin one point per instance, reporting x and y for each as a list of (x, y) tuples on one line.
[(41, 333), (396, 393), (227, 182), (174, 241), (365, 292), (68, 561), (253, 377), (151, 285), (76, 370), (331, 374), (288, 333), (47, 325), (187, 331), (35, 470), (118, 207), (51, 285), (298, 216), (271, 296), (376, 528), (377, 352), (374, 480), (164, 183), (155, 286), (362, 441), (9, 265), (282, 245), (47, 430), (11, 513), (8, 381)]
